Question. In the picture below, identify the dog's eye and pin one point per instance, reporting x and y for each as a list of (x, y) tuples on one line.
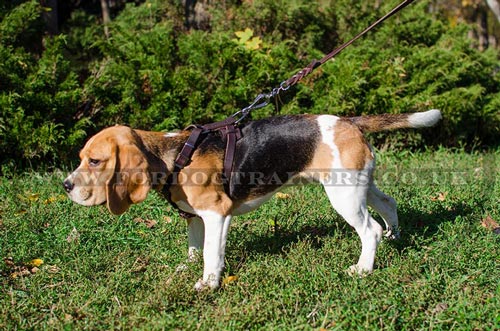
[(94, 162)]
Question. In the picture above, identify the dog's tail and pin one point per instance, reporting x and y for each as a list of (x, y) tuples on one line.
[(376, 123)]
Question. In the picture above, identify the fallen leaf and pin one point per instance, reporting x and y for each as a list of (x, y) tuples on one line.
[(440, 197), (73, 236), (244, 36), (35, 263), (33, 197), (247, 39), (253, 44), (54, 198), (489, 223), (281, 195), (20, 273), (149, 223), (28, 196), (49, 200), (167, 219), (53, 269), (229, 279), (21, 212), (25, 269), (9, 261), (440, 307)]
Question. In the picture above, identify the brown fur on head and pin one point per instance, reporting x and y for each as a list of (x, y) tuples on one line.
[(113, 169)]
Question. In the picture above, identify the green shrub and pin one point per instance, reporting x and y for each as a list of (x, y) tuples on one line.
[(402, 68), (153, 73), (39, 92)]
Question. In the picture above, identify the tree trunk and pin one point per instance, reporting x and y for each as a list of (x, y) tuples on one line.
[(196, 14), (482, 26), (495, 7), (106, 18)]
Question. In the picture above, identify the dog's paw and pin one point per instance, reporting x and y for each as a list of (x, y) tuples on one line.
[(182, 267), (358, 271), (202, 285), (194, 257)]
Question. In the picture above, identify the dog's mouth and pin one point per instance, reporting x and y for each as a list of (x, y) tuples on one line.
[(85, 197)]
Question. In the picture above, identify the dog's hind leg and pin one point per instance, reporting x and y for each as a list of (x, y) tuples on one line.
[(196, 238), (387, 208), (196, 234), (350, 202)]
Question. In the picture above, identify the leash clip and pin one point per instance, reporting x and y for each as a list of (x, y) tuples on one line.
[(260, 101)]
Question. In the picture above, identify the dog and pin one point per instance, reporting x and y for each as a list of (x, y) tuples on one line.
[(120, 165)]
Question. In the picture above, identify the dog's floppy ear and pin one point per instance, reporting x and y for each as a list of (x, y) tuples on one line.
[(130, 182)]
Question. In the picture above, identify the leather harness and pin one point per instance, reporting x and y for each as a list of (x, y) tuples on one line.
[(230, 133)]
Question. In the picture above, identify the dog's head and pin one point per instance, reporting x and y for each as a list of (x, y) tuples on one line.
[(113, 170)]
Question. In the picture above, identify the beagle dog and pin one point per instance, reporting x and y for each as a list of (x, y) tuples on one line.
[(120, 165)]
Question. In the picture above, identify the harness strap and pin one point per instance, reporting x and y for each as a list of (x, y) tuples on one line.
[(230, 132), (187, 150), (219, 125), (232, 135)]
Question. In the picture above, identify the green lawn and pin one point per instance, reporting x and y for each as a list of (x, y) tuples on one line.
[(289, 258)]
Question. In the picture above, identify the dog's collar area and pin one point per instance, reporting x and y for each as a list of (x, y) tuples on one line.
[(168, 195)]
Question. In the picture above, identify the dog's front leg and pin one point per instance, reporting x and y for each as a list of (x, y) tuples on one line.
[(216, 229)]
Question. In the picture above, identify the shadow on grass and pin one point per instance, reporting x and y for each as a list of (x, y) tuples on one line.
[(413, 222)]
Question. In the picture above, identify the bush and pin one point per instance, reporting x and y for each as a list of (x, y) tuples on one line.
[(402, 68), (39, 93), (153, 73)]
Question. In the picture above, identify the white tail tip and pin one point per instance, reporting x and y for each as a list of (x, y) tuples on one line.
[(424, 119)]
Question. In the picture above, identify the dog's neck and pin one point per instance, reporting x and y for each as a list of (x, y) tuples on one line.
[(161, 149)]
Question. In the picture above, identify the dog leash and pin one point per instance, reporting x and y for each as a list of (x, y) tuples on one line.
[(229, 128), (264, 99)]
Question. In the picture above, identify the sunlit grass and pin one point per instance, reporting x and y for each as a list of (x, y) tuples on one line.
[(289, 257)]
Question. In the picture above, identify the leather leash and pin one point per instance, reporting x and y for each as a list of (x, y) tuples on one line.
[(229, 129), (264, 99)]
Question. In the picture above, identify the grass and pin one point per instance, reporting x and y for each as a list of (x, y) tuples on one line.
[(104, 272)]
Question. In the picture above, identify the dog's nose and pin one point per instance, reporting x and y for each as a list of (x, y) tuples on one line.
[(68, 185)]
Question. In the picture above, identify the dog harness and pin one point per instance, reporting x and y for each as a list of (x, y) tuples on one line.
[(230, 133)]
